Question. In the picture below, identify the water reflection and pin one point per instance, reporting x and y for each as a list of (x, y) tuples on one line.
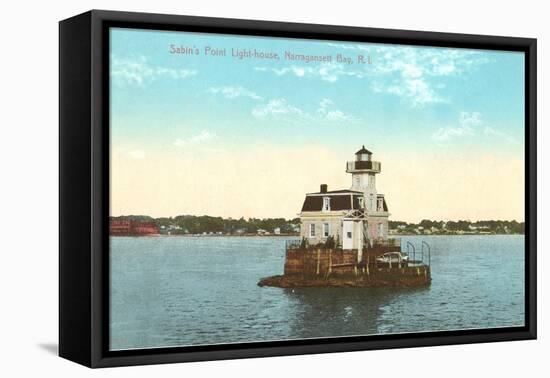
[(344, 311)]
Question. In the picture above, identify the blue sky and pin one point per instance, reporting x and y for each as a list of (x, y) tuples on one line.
[(437, 102), (433, 96)]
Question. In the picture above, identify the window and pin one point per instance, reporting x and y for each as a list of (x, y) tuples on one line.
[(361, 202), (380, 204), (312, 230), (380, 230), (349, 235), (371, 203), (326, 203), (326, 230)]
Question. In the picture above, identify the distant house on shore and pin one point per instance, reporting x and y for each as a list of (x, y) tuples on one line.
[(351, 216)]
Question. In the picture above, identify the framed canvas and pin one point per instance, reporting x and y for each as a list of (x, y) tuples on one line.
[(236, 188)]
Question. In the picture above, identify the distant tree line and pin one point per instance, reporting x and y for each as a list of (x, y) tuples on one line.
[(192, 224), (485, 226)]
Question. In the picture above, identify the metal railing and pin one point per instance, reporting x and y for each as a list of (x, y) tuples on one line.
[(429, 251), (425, 252), (422, 257)]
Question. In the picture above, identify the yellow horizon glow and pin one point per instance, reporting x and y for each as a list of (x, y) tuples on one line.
[(269, 182)]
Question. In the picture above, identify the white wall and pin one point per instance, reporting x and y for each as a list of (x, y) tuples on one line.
[(335, 228), (28, 154)]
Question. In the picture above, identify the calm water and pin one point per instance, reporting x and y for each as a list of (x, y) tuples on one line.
[(174, 291)]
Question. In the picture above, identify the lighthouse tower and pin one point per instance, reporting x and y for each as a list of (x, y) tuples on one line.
[(363, 172)]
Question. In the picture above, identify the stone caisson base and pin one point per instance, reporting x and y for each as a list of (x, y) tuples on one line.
[(317, 267), (397, 277)]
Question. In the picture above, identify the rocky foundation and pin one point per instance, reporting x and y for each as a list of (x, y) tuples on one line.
[(404, 277), (321, 267)]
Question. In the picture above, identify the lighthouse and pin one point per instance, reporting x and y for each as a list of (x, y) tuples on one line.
[(363, 177), (355, 217), (344, 236)]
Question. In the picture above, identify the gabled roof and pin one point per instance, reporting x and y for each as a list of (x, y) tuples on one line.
[(363, 150)]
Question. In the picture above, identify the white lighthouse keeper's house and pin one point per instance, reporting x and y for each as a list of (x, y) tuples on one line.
[(352, 217)]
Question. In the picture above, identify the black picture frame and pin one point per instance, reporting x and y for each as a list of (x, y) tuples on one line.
[(84, 188)]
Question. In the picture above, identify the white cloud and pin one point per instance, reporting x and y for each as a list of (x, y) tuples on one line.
[(325, 103), (420, 93), (327, 111), (467, 124), (139, 71), (337, 115), (234, 92), (470, 120), (470, 124), (281, 108), (199, 138), (276, 107), (416, 74), (445, 134), (415, 90), (424, 61), (490, 131), (329, 72)]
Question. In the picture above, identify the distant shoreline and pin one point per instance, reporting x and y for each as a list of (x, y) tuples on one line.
[(292, 235), (218, 226)]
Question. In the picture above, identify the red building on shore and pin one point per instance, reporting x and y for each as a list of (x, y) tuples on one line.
[(128, 227)]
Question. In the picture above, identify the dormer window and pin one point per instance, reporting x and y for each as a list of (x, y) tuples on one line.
[(326, 203)]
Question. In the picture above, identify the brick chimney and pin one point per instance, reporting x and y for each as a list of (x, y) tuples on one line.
[(324, 188)]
